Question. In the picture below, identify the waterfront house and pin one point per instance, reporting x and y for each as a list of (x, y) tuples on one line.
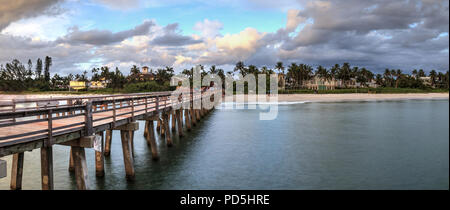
[(319, 83), (145, 75), (78, 85)]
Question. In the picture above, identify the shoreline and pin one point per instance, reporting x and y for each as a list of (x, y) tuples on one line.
[(281, 97), (348, 97)]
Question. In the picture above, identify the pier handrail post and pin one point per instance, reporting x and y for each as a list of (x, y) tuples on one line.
[(157, 103), (49, 141), (132, 109), (114, 112), (145, 101), (88, 119), (14, 108)]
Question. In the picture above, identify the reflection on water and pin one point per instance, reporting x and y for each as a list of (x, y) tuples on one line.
[(354, 145)]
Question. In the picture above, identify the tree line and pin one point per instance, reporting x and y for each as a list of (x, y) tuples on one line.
[(15, 76), (297, 74)]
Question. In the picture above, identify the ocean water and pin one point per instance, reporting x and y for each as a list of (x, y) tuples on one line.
[(341, 145)]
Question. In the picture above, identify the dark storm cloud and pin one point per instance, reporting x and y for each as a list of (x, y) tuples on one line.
[(172, 37), (104, 37), (14, 10), (378, 33)]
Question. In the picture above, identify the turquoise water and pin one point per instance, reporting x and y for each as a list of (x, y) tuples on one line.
[(351, 145)]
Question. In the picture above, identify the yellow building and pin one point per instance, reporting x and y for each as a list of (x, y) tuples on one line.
[(97, 85), (78, 85)]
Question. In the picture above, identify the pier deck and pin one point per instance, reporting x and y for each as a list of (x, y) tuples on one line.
[(27, 124)]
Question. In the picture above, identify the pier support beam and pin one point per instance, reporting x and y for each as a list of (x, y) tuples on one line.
[(158, 125), (178, 114), (78, 159), (99, 159), (151, 139), (71, 163), (146, 129), (166, 129), (47, 168), (197, 112), (127, 154), (174, 120), (126, 134), (108, 140), (81, 173), (187, 119), (17, 171), (193, 118)]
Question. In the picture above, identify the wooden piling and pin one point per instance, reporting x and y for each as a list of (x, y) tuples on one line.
[(162, 127), (132, 143), (99, 159), (17, 171), (174, 120), (158, 126), (108, 141), (146, 128), (81, 174), (166, 129), (71, 164), (151, 139), (179, 122), (193, 118), (47, 168), (197, 111), (187, 119), (127, 154)]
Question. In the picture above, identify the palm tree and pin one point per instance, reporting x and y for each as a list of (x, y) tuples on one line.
[(280, 67), (387, 77), (240, 67), (322, 73), (344, 73), (399, 75), (379, 79), (334, 70), (414, 73), (432, 76), (293, 74), (252, 69), (134, 70), (213, 70), (421, 73)]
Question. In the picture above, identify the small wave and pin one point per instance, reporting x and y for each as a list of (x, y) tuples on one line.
[(265, 103)]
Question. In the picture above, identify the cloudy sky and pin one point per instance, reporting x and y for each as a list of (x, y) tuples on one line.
[(81, 34)]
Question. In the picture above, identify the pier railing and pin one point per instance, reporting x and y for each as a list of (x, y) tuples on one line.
[(50, 117)]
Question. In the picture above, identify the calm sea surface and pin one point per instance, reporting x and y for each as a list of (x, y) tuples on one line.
[(351, 145)]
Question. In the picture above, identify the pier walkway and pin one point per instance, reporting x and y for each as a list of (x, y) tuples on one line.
[(88, 122)]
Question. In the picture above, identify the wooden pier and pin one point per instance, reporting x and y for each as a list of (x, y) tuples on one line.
[(88, 122)]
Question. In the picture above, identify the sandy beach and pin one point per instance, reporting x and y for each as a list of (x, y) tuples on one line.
[(345, 97), (281, 97)]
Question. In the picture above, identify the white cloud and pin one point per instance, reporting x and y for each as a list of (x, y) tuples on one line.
[(209, 28)]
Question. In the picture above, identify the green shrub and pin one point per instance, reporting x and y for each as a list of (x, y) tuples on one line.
[(150, 86)]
